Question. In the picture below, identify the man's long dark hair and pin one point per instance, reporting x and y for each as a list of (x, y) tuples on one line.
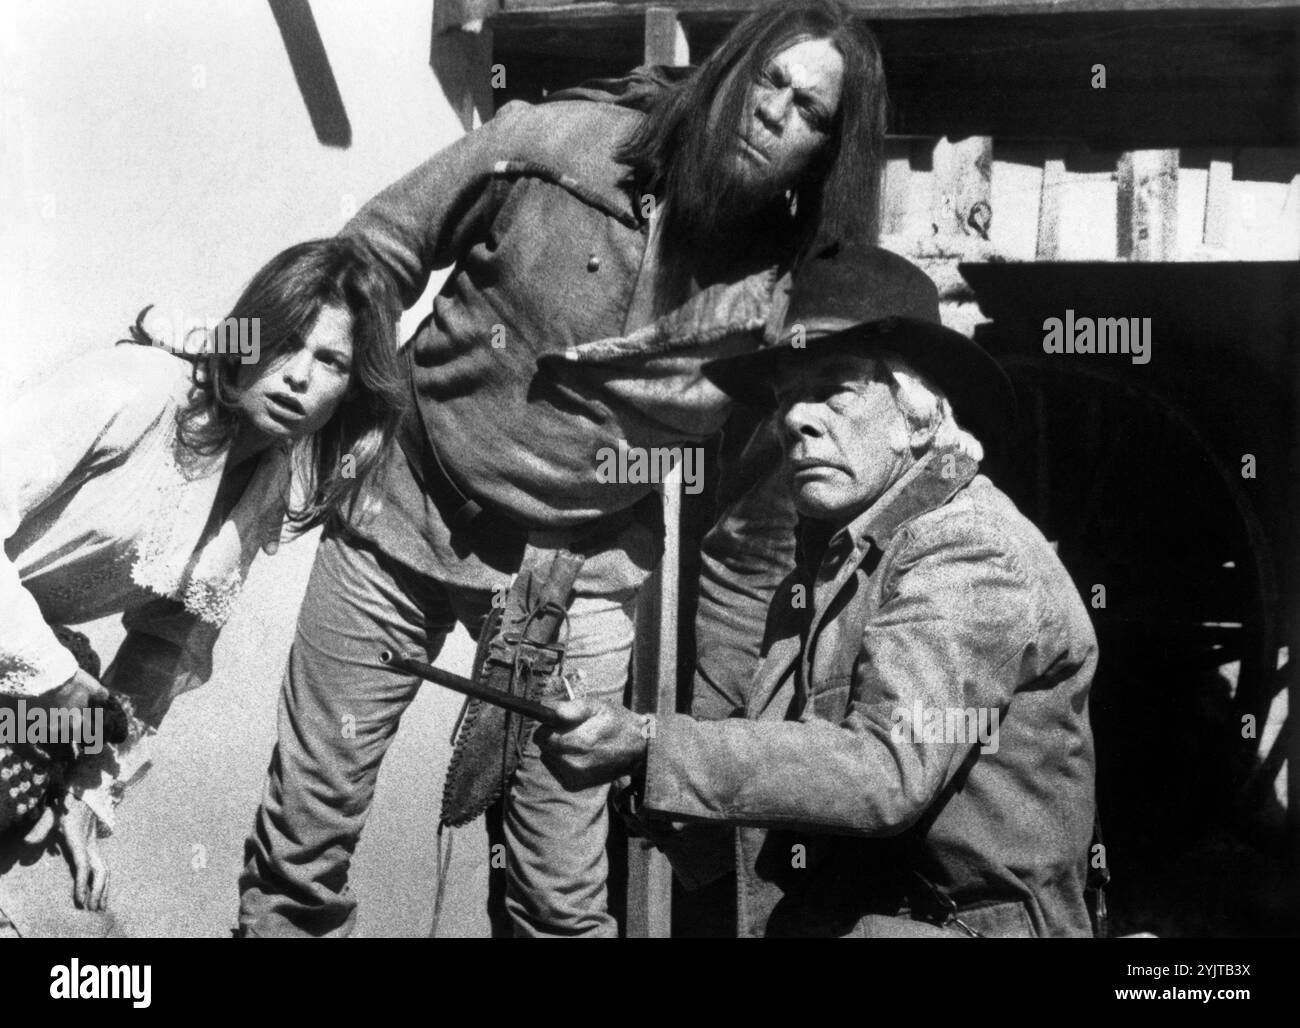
[(672, 149)]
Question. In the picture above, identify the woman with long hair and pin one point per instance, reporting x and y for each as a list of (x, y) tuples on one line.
[(143, 480)]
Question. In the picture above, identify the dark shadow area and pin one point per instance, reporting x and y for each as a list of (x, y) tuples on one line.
[(1135, 471), (16, 853), (462, 63), (311, 69), (1188, 855), (1173, 78), (1260, 165)]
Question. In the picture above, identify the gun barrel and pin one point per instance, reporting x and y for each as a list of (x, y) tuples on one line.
[(515, 704)]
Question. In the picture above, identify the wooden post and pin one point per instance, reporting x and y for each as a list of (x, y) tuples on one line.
[(1147, 219), (1218, 187), (312, 70), (665, 42), (960, 207), (1048, 247), (460, 53), (654, 672), (654, 690), (898, 180)]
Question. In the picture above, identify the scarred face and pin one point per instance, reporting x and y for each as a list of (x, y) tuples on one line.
[(788, 116)]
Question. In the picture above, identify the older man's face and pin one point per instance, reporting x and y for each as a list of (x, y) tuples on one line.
[(838, 424)]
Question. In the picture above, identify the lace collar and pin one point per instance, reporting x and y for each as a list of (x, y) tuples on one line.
[(172, 559)]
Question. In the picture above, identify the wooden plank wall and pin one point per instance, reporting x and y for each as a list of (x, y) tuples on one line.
[(1057, 201)]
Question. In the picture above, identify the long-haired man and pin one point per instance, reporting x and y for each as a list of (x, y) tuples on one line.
[(604, 244)]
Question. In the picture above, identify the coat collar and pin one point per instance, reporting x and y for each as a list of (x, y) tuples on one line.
[(829, 566), (925, 486)]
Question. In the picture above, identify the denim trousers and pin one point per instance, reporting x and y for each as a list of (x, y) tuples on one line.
[(339, 710)]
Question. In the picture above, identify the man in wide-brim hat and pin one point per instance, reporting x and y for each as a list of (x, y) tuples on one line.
[(914, 755)]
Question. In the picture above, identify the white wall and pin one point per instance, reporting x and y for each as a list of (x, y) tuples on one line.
[(159, 151)]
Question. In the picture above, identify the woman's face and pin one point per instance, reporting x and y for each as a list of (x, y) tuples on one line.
[(298, 390)]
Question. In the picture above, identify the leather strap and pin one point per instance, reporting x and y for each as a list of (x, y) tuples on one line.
[(517, 651)]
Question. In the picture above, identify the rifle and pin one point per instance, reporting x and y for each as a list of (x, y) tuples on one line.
[(539, 712)]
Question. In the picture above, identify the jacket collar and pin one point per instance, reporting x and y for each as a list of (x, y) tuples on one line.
[(925, 486)]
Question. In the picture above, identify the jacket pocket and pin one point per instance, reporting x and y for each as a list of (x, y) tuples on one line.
[(1000, 921), (831, 701)]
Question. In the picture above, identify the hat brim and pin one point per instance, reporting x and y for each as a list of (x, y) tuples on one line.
[(976, 386)]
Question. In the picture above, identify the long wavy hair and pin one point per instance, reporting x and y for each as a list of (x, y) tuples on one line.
[(287, 295), (839, 195)]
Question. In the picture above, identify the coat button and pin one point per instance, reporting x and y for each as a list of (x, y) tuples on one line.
[(593, 263)]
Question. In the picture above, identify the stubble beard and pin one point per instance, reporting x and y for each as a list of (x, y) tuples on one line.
[(732, 202)]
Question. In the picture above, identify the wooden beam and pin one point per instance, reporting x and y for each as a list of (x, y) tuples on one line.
[(897, 187), (913, 9), (463, 13), (1048, 245), (1218, 190), (312, 71), (460, 54), (1147, 216), (654, 690), (654, 683), (960, 207), (665, 40)]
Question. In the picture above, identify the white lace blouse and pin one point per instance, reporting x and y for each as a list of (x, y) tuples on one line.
[(100, 513)]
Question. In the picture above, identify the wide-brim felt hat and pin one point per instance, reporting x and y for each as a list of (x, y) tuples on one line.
[(860, 298)]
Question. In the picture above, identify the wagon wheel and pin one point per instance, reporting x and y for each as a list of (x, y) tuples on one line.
[(1141, 505)]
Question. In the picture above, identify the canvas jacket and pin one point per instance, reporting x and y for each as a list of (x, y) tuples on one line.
[(107, 516), (940, 598), (544, 346)]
